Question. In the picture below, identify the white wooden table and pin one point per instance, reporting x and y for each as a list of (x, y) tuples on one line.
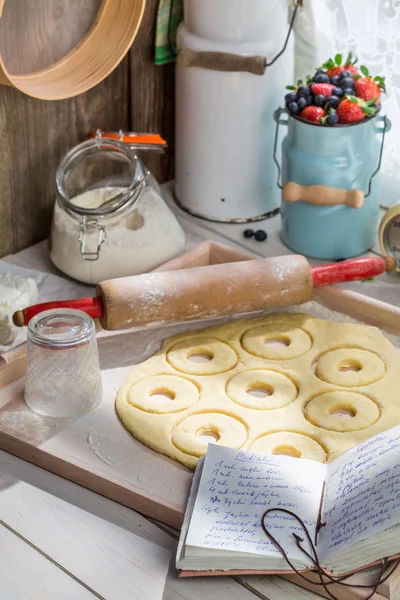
[(58, 540)]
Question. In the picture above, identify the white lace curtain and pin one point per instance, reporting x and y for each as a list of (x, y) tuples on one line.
[(370, 29)]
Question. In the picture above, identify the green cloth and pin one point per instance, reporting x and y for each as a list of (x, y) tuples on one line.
[(164, 52)]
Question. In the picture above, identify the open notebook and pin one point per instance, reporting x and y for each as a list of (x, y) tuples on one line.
[(357, 496)]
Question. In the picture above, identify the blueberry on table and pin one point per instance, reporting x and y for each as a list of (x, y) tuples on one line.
[(294, 108), (302, 103), (303, 91), (347, 82), (322, 78), (344, 74), (333, 101), (319, 100), (332, 119), (292, 97), (337, 91), (260, 235), (335, 80), (248, 233)]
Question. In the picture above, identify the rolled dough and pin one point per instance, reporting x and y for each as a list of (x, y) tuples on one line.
[(284, 383)]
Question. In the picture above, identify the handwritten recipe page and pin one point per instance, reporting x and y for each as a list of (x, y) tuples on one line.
[(236, 488), (362, 494)]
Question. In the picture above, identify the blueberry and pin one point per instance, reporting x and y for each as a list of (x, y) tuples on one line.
[(346, 82), (344, 74), (318, 72), (310, 100), (333, 101), (292, 97), (332, 119), (248, 233), (322, 78), (337, 91), (319, 100), (335, 80), (348, 92), (303, 91), (301, 103), (294, 108), (260, 235)]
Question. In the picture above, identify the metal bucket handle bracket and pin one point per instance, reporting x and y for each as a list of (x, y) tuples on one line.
[(224, 61), (324, 195)]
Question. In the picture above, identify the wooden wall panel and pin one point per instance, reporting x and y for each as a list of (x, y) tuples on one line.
[(34, 135), (152, 94)]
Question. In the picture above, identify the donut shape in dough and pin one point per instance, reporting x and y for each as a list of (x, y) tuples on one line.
[(296, 341), (230, 432), (280, 388), (350, 367), (290, 443), (222, 356), (182, 391), (320, 411)]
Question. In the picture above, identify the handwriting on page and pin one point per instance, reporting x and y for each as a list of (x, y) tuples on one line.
[(362, 495), (236, 489)]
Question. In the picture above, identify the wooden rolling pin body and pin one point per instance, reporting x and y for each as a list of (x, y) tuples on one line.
[(217, 290)]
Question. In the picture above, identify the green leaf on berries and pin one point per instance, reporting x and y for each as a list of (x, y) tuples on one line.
[(299, 82), (371, 102), (290, 87), (308, 79), (357, 77), (364, 70), (329, 64), (338, 59), (353, 99)]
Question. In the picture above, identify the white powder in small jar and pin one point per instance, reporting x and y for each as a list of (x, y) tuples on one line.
[(137, 240)]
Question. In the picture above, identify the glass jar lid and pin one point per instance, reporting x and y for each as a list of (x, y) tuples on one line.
[(100, 163)]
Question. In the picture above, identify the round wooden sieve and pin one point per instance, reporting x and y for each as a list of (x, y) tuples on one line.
[(62, 66)]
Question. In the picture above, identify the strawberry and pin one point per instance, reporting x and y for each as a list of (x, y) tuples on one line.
[(353, 110), (335, 67), (368, 88), (312, 114), (323, 89)]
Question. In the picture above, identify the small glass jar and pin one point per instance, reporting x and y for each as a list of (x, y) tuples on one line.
[(109, 218), (63, 378)]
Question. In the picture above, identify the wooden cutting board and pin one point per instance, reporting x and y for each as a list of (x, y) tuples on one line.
[(98, 453)]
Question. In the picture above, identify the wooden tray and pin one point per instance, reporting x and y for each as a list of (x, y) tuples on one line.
[(97, 452)]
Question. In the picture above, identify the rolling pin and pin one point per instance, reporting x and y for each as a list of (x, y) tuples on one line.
[(210, 291)]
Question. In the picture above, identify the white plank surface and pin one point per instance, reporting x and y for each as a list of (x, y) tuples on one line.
[(110, 548), (27, 575)]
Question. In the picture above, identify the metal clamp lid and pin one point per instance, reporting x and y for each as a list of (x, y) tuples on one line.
[(140, 141)]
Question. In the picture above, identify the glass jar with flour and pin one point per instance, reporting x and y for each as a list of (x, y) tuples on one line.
[(109, 217)]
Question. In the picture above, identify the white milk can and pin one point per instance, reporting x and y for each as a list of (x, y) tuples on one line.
[(226, 91)]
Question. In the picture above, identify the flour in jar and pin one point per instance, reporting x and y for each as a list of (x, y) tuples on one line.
[(137, 240)]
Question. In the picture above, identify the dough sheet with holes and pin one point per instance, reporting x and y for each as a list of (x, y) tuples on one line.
[(284, 383)]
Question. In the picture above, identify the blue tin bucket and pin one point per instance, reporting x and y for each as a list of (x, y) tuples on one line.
[(345, 157)]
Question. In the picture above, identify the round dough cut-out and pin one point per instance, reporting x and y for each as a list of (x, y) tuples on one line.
[(187, 434), (359, 411), (350, 367), (281, 391), (259, 341), (183, 393), (222, 356), (290, 443)]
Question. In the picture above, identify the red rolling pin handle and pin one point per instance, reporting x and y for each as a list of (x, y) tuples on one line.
[(354, 269), (91, 306)]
